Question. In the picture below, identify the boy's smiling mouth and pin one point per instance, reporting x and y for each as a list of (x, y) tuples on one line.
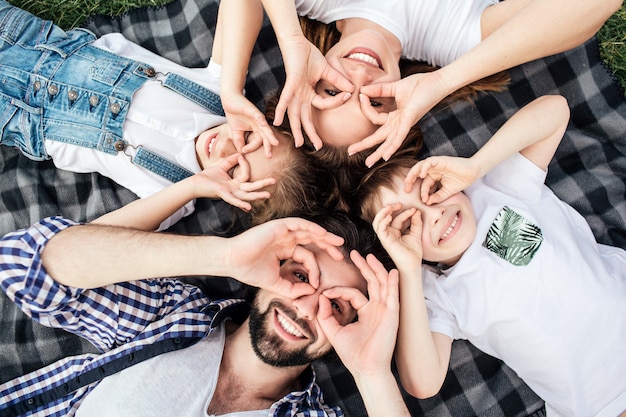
[(451, 227)]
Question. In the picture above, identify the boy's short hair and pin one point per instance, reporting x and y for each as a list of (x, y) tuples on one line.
[(367, 198)]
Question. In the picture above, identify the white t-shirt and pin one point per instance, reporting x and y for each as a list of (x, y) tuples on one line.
[(179, 383), (559, 318), (160, 119), (435, 31)]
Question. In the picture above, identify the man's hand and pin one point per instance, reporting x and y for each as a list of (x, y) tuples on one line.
[(365, 346), (254, 256)]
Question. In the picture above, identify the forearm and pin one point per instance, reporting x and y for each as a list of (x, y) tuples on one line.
[(421, 369), (284, 18), (89, 256), (149, 212), (535, 130), (243, 20), (381, 395), (538, 29)]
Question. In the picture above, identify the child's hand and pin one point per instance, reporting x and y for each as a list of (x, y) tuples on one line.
[(216, 182), (243, 116), (305, 66), (400, 232), (449, 174), (415, 95)]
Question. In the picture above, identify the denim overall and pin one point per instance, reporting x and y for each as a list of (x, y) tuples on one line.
[(55, 85)]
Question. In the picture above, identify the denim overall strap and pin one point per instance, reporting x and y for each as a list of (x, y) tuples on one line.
[(155, 163), (194, 92)]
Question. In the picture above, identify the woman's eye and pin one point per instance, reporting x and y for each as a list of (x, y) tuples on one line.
[(374, 103), (331, 93), (301, 277), (335, 306)]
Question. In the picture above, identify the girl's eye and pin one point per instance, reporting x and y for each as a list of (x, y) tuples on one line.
[(331, 93), (301, 277), (335, 306)]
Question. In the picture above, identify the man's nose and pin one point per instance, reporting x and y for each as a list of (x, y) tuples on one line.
[(307, 306)]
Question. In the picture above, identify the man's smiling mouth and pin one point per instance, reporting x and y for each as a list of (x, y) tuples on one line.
[(288, 327)]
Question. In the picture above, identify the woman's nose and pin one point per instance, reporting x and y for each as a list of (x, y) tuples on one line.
[(359, 75)]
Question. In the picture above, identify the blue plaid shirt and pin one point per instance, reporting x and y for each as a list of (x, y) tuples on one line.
[(120, 320)]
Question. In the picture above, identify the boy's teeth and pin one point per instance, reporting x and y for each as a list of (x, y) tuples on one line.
[(451, 228)]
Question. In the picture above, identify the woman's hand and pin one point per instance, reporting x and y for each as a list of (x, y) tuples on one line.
[(415, 95), (305, 66)]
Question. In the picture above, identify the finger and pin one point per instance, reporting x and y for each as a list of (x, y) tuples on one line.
[(402, 217), (367, 272), (249, 187), (306, 257), (337, 79), (379, 90), (294, 123), (395, 140), (370, 141), (427, 184), (243, 174), (239, 139), (355, 297), (328, 103), (285, 98), (306, 118), (329, 324), (254, 142), (370, 112)]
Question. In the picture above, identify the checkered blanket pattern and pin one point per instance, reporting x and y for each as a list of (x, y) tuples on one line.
[(588, 172)]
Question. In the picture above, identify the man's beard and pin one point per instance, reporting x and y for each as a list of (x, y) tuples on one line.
[(270, 348)]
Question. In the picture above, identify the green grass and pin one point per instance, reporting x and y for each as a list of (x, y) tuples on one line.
[(70, 13)]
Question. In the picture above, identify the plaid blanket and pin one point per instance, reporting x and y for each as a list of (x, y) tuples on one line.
[(588, 172)]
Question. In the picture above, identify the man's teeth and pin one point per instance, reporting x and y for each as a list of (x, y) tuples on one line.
[(449, 229), (364, 57), (288, 327)]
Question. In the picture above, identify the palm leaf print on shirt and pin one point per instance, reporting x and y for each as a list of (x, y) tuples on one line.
[(513, 238)]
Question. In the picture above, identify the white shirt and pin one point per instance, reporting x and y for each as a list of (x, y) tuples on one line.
[(435, 31), (560, 320), (160, 119), (179, 383)]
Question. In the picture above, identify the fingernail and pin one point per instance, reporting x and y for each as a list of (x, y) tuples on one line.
[(347, 96)]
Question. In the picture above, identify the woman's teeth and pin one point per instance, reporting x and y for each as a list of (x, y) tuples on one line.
[(360, 56)]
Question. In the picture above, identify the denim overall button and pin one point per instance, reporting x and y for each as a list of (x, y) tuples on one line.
[(150, 72), (72, 95), (93, 100), (119, 145), (37, 85), (53, 89), (115, 108)]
